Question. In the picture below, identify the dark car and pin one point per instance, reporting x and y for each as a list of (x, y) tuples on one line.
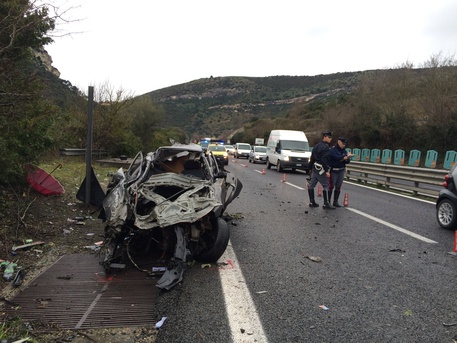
[(446, 204)]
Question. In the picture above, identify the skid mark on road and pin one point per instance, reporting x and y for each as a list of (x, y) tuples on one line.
[(244, 322), (393, 226)]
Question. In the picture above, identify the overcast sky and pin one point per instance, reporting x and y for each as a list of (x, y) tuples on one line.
[(145, 45)]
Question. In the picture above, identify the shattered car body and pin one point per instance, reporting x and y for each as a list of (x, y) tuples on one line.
[(170, 205)]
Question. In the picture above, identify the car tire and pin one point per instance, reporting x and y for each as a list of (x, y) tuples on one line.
[(216, 240), (446, 214), (279, 167), (268, 165)]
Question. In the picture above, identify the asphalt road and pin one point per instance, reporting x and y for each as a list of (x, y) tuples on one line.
[(385, 273)]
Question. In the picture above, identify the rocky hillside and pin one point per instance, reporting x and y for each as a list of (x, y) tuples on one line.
[(218, 106)]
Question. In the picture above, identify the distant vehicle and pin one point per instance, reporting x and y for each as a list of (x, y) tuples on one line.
[(288, 149), (206, 141), (230, 149), (258, 154), (204, 144), (218, 152), (242, 150), (446, 204)]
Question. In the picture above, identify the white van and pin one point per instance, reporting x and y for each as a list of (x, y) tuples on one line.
[(288, 149), (242, 150)]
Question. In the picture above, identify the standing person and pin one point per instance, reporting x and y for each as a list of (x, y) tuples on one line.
[(338, 158), (320, 170)]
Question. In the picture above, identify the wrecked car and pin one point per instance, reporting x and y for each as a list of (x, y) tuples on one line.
[(168, 206)]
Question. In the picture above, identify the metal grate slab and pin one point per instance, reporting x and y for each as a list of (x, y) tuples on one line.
[(75, 293)]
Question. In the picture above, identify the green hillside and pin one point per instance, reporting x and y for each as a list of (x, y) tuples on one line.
[(218, 106)]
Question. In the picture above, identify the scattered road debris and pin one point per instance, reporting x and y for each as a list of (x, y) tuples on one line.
[(8, 270), (449, 324), (397, 250), (160, 322), (325, 308), (314, 258), (25, 246)]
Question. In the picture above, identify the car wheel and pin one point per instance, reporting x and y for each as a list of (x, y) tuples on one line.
[(446, 214), (268, 164), (215, 242), (279, 166)]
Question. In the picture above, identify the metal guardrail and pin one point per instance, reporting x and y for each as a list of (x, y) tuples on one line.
[(81, 152), (415, 180)]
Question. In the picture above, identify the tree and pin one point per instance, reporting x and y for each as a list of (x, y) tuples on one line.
[(25, 117), (146, 117), (437, 102)]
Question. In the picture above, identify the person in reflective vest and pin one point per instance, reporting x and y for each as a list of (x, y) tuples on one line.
[(320, 170)]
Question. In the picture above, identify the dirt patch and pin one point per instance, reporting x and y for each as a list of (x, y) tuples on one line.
[(29, 217)]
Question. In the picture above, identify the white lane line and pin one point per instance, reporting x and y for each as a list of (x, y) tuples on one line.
[(287, 183), (291, 184), (383, 222), (395, 227), (244, 322), (390, 192)]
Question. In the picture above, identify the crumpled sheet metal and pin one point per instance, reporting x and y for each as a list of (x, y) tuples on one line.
[(115, 205), (199, 198)]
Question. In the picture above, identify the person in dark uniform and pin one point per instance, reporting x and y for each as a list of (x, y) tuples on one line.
[(338, 157), (320, 170)]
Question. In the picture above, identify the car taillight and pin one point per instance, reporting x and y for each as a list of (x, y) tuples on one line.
[(445, 184)]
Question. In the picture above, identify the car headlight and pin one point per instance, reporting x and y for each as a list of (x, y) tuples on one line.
[(225, 154), (286, 158)]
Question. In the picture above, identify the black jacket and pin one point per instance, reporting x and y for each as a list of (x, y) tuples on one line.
[(320, 155)]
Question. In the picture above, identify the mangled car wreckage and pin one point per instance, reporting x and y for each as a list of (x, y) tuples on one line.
[(168, 204)]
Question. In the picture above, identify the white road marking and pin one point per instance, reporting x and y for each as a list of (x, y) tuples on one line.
[(291, 184), (389, 192), (395, 227), (383, 222), (244, 322)]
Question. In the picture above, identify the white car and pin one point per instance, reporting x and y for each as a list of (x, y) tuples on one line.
[(258, 154), (230, 149), (242, 150)]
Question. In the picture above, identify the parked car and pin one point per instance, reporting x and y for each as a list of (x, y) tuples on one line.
[(258, 154), (219, 152), (230, 149), (242, 150), (446, 204)]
